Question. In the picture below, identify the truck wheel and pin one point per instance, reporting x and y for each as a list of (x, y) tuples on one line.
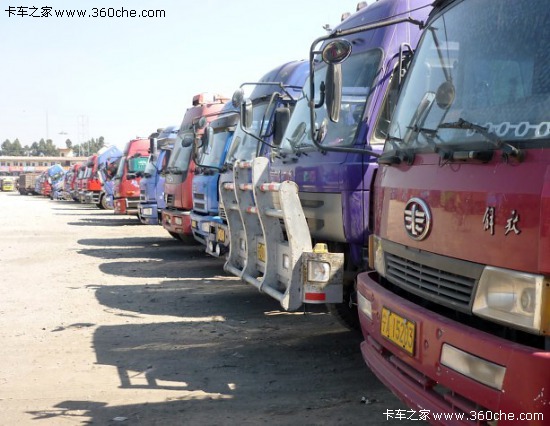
[(102, 203), (346, 312)]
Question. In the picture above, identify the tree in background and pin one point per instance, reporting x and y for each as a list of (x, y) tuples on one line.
[(46, 148), (43, 148), (12, 148), (90, 147)]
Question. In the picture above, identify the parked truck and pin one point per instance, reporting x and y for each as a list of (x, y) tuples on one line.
[(456, 315), (69, 186), (7, 183), (107, 175), (27, 183), (253, 136), (94, 192), (55, 175), (307, 214), (42, 186), (80, 182), (151, 195), (176, 216), (126, 181), (209, 157)]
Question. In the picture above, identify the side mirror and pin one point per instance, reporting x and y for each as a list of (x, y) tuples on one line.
[(207, 138), (333, 91), (246, 114), (202, 122), (282, 117), (238, 98), (187, 140), (333, 54)]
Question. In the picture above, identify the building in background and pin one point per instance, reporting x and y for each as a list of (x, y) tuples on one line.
[(13, 166)]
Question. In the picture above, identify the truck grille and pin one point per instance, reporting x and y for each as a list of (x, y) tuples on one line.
[(169, 199), (198, 202), (142, 195), (434, 284)]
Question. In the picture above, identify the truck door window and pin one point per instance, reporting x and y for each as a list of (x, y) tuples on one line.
[(213, 153), (359, 73), (244, 146)]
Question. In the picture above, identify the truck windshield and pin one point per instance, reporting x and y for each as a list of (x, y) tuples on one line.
[(359, 72), (179, 160), (211, 155), (482, 69), (120, 169), (244, 146), (150, 168)]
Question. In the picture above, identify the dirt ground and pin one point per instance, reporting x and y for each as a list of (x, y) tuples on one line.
[(105, 321)]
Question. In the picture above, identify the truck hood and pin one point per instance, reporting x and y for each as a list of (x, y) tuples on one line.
[(470, 211)]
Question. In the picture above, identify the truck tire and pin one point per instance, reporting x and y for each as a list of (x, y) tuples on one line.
[(102, 202)]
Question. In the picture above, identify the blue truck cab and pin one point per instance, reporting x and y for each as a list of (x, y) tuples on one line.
[(151, 194), (210, 153), (279, 87), (56, 175)]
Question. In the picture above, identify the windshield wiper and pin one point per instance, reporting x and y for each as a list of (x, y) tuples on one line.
[(429, 134), (397, 155), (507, 149)]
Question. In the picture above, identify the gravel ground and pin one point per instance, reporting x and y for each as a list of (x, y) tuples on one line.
[(105, 321)]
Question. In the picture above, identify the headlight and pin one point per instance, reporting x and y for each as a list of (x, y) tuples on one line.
[(378, 256), (318, 271), (147, 212), (178, 220), (514, 298), (205, 227)]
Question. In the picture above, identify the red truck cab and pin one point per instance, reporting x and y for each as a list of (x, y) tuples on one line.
[(126, 181), (80, 182), (92, 184), (178, 191), (456, 315)]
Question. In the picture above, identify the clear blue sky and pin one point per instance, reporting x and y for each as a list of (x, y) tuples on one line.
[(124, 77)]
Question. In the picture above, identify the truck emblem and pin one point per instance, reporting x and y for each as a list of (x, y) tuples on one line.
[(418, 219)]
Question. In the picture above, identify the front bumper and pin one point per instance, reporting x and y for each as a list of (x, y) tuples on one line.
[(424, 383), (128, 206), (217, 239), (177, 222), (200, 226), (148, 214), (91, 197)]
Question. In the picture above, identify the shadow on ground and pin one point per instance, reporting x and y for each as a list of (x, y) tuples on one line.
[(235, 360)]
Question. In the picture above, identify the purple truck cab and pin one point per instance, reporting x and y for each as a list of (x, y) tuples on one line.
[(335, 165)]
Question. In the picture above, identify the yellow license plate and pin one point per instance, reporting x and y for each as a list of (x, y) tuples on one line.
[(398, 330), (194, 224), (261, 252), (220, 235)]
